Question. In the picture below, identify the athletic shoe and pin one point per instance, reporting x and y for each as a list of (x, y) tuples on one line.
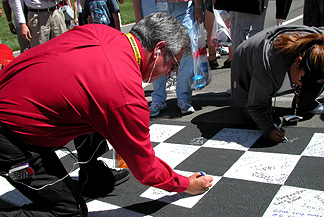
[(319, 110), (223, 50), (185, 107), (96, 179), (156, 108)]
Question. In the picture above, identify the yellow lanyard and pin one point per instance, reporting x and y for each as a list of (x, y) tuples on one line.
[(135, 48)]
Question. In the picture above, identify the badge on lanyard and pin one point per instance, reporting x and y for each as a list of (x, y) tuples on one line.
[(162, 6)]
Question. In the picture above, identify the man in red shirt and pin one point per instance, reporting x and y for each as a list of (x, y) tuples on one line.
[(48, 97)]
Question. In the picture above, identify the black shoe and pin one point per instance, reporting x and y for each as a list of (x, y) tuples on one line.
[(96, 179), (121, 175), (227, 64), (213, 64)]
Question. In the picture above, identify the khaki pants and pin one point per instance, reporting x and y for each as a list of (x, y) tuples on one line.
[(45, 26)]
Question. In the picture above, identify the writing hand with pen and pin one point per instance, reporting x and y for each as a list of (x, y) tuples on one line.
[(278, 134), (199, 183)]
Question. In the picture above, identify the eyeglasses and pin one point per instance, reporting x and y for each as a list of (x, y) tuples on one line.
[(175, 66)]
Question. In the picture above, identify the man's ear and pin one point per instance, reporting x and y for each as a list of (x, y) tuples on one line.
[(160, 48)]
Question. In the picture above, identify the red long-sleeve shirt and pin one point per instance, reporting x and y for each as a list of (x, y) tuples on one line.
[(85, 80)]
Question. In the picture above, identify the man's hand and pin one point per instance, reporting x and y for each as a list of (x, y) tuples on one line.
[(199, 184), (25, 32), (76, 20)]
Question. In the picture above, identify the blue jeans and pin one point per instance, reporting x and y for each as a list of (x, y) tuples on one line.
[(184, 13)]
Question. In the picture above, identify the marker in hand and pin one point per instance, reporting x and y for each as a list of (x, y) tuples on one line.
[(202, 173), (276, 126)]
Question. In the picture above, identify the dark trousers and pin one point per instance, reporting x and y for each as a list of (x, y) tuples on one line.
[(83, 19), (90, 146), (313, 13), (60, 198)]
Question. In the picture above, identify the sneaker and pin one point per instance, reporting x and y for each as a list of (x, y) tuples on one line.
[(185, 107), (223, 50), (319, 110), (229, 91), (96, 179), (156, 108), (227, 64)]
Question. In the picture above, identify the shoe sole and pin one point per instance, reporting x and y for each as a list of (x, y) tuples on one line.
[(185, 112)]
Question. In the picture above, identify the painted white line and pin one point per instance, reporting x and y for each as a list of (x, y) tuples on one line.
[(129, 24), (292, 20)]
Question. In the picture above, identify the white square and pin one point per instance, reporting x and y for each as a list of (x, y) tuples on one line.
[(292, 201), (174, 154), (161, 132), (98, 208), (11, 195), (315, 147), (179, 199), (61, 153), (263, 167), (236, 139)]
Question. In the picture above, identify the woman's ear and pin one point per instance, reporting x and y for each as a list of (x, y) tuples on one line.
[(298, 60)]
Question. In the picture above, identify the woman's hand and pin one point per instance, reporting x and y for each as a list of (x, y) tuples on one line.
[(277, 136)]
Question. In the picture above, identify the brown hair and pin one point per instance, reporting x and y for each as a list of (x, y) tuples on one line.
[(297, 44)]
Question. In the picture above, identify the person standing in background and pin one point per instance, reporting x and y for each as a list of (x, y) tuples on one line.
[(187, 12), (245, 25), (282, 10), (102, 12), (79, 15), (313, 13), (213, 55), (15, 27), (43, 20)]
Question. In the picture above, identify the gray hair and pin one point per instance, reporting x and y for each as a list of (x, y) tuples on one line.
[(160, 26)]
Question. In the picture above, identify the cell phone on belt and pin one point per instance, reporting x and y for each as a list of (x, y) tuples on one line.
[(22, 171)]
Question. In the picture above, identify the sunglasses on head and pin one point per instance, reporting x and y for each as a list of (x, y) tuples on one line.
[(312, 74)]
